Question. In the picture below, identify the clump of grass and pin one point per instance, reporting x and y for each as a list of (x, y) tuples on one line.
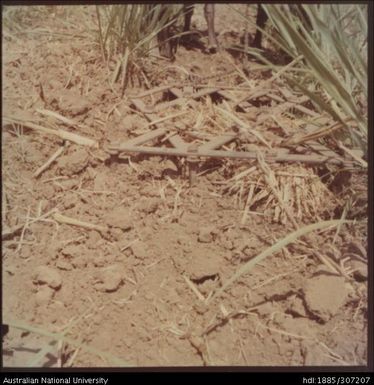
[(130, 31), (332, 40)]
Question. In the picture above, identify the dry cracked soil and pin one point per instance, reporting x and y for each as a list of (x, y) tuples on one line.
[(132, 289)]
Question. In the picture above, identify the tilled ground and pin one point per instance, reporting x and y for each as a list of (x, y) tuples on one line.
[(133, 290)]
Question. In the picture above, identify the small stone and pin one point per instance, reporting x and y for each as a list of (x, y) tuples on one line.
[(360, 273), (72, 103), (227, 244), (63, 265), (139, 249), (99, 261), (79, 262), (73, 163), (205, 235), (265, 309), (297, 308), (91, 172), (150, 205), (109, 279), (10, 269), (72, 250), (116, 233), (120, 218), (49, 276), (44, 295), (169, 164), (200, 307), (247, 252), (93, 237), (324, 295)]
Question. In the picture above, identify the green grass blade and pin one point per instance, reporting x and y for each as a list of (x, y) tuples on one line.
[(60, 336), (276, 248)]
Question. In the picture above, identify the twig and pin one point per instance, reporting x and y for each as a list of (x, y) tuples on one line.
[(8, 233), (271, 181), (194, 289), (71, 221), (57, 116), (247, 204), (332, 265), (333, 355), (50, 161), (60, 345), (245, 128), (222, 320), (266, 282), (344, 214), (353, 155), (62, 134), (288, 334), (269, 81), (72, 358), (23, 230), (160, 120), (129, 244)]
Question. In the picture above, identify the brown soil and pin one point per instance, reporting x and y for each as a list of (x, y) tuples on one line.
[(136, 291)]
